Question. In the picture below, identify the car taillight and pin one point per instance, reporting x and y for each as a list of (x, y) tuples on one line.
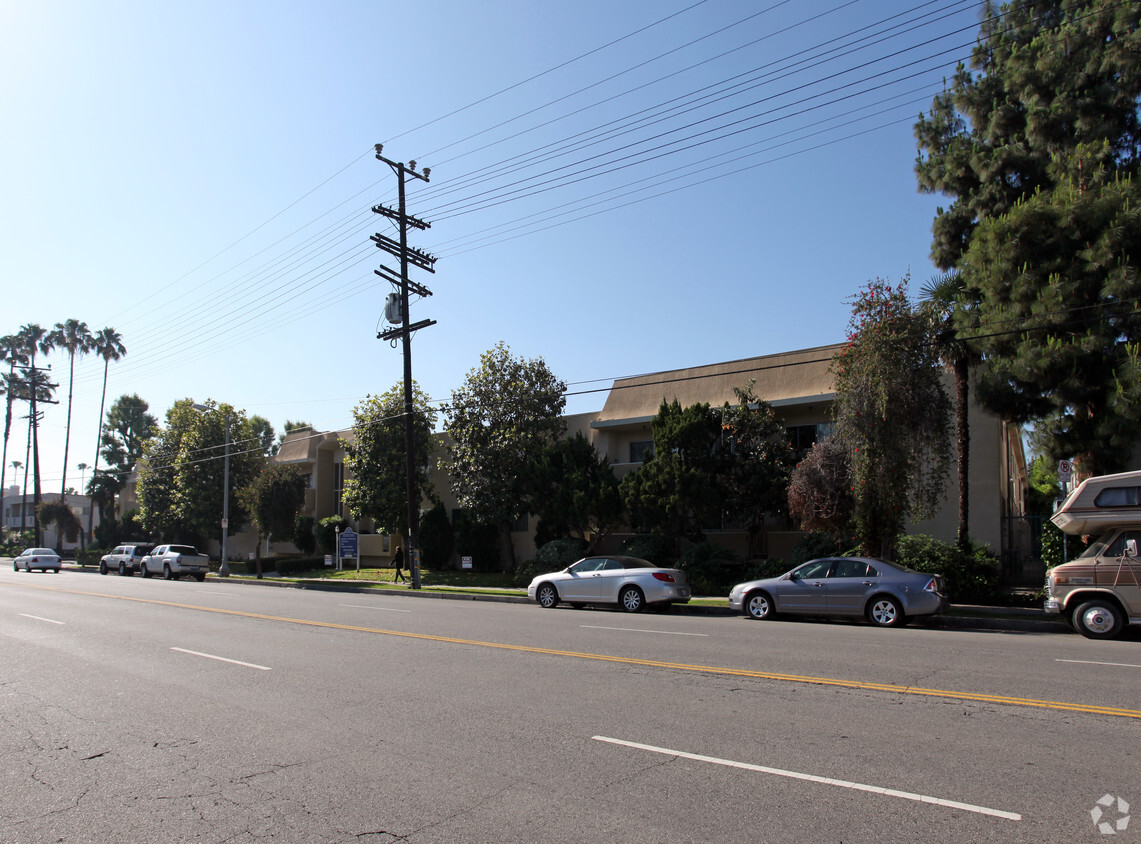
[(931, 586), (664, 576)]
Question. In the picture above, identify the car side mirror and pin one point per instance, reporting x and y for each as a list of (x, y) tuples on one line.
[(1131, 548), (793, 576)]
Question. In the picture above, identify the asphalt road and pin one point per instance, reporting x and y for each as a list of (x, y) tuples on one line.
[(146, 710)]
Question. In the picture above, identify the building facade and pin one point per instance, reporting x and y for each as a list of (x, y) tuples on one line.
[(797, 384)]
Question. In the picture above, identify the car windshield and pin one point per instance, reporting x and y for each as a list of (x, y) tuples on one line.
[(184, 549), (39, 551)]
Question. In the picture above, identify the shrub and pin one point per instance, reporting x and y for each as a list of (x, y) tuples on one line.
[(326, 533), (760, 569), (812, 546), (437, 539), (303, 537), (711, 569), (970, 578), (478, 541), (558, 554), (659, 550)]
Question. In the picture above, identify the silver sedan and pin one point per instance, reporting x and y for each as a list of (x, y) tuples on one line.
[(44, 559), (629, 582), (885, 593)]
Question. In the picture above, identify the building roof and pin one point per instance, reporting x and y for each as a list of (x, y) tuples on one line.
[(783, 379)]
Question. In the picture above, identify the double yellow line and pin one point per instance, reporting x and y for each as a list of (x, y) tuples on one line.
[(648, 663)]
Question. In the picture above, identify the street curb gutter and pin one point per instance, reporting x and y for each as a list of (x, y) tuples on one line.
[(1033, 621)]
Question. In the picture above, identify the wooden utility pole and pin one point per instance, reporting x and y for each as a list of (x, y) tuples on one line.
[(407, 257)]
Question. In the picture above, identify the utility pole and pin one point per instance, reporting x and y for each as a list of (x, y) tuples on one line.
[(36, 381), (406, 255)]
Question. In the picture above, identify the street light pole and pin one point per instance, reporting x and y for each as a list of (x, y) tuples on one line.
[(224, 566)]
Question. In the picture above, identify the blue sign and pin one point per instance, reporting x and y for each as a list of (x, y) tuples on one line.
[(348, 543)]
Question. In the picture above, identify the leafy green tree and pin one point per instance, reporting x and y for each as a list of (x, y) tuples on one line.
[(75, 338), (574, 491), (508, 410), (326, 533), (1038, 145), (674, 491), (264, 435), (1062, 269), (180, 485), (709, 465), (128, 427), (377, 457), (108, 344), (756, 462), (891, 415), (290, 426), (273, 499)]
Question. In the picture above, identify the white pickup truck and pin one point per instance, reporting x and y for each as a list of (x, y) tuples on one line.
[(173, 561)]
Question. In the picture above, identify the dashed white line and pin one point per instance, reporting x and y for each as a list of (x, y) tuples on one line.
[(38, 618), (639, 630), (874, 789), (366, 607), (1091, 662), (223, 659)]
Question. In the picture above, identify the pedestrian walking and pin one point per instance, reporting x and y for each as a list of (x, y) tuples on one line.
[(398, 562)]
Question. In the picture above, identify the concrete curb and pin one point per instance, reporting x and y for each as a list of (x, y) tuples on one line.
[(1010, 619)]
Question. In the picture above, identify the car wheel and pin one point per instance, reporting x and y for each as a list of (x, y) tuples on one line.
[(102, 567), (143, 570), (759, 605), (547, 596), (201, 578), (167, 574), (122, 569), (1097, 620), (631, 599), (15, 566), (886, 611)]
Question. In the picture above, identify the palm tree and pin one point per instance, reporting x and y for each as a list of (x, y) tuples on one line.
[(108, 345), (11, 350), (946, 296), (73, 336), (34, 338)]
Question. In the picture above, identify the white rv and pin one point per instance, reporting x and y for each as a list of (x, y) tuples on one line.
[(1100, 591)]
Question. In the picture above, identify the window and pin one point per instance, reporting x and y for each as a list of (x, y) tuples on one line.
[(803, 437), (338, 488), (1117, 547), (639, 450), (852, 568), (817, 568), (1118, 496)]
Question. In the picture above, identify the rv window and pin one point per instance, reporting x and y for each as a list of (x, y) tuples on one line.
[(1118, 496), (1117, 547)]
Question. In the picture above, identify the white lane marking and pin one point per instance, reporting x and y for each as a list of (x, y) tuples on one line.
[(366, 607), (638, 630), (874, 789), (1091, 662), (223, 659), (38, 618)]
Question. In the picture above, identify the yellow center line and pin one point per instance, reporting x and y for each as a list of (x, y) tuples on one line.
[(625, 660)]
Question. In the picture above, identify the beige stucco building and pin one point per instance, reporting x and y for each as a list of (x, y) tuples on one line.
[(797, 384)]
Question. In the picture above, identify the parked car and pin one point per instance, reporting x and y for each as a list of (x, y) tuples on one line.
[(43, 559), (173, 561), (629, 582), (125, 559), (885, 593)]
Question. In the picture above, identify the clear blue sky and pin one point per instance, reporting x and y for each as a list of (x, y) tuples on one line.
[(613, 189)]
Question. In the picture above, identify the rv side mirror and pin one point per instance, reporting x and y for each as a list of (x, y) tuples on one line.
[(1131, 548)]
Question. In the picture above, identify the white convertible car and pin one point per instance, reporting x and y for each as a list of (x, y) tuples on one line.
[(629, 582)]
